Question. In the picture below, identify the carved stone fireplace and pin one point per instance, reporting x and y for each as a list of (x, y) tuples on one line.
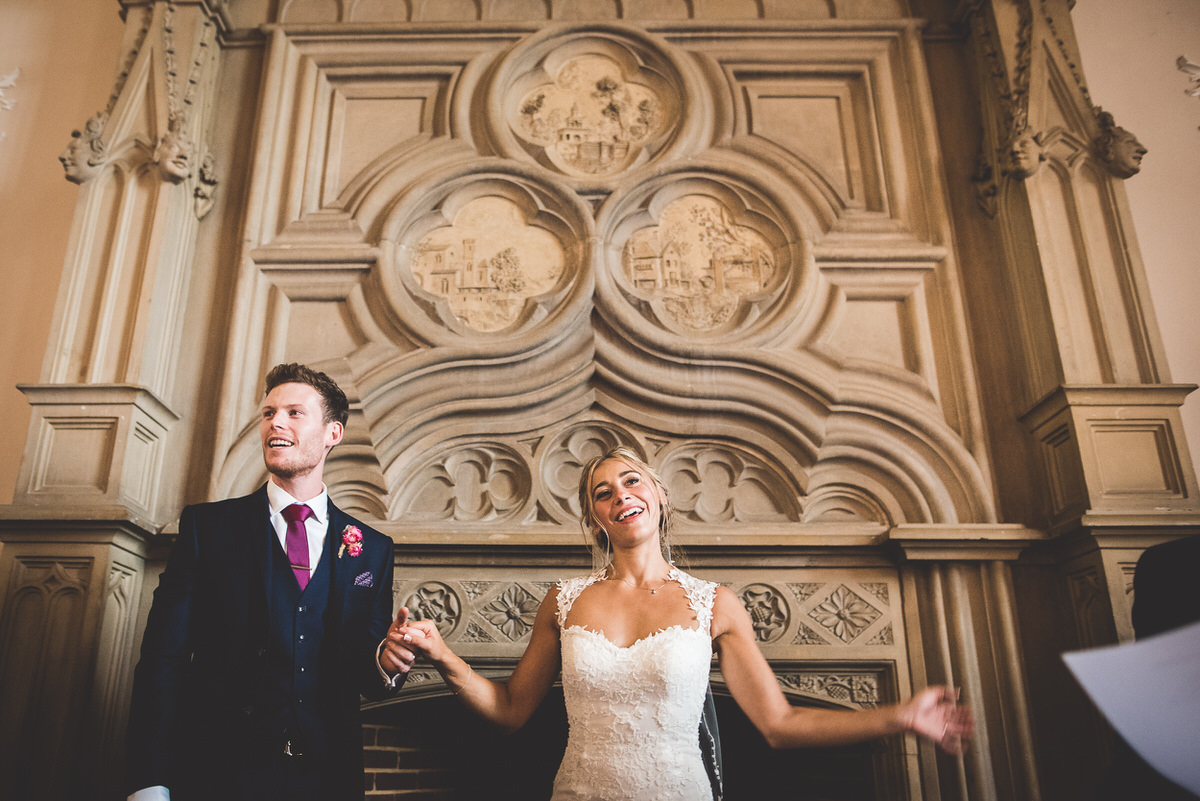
[(859, 284), (429, 747), (831, 621)]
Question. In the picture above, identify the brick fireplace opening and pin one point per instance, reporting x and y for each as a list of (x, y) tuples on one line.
[(428, 747)]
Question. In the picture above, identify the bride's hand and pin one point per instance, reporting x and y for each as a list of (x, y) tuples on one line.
[(422, 637), (935, 713)]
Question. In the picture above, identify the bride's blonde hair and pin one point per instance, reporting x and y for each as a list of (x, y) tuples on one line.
[(594, 534)]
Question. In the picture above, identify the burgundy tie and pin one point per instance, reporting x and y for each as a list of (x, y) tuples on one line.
[(297, 540)]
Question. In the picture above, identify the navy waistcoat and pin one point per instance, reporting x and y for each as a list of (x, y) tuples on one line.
[(295, 654)]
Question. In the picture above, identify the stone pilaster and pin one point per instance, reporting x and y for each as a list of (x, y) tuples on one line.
[(962, 621)]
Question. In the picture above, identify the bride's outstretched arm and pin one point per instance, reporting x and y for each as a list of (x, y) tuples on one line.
[(509, 704), (933, 713)]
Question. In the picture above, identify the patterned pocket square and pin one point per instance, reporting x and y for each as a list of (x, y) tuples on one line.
[(364, 580)]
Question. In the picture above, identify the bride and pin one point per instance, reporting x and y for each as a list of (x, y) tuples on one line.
[(634, 641)]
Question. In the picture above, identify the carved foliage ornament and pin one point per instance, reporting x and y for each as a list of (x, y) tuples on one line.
[(436, 602), (470, 483), (860, 690)]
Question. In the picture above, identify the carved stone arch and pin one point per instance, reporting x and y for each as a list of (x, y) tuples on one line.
[(379, 11), (311, 11), (823, 203), (593, 101), (445, 10), (698, 254), (516, 10), (588, 9), (715, 482), (763, 405), (841, 495), (466, 481), (922, 469)]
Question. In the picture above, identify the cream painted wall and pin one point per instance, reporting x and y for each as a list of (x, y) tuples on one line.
[(1129, 51), (66, 51)]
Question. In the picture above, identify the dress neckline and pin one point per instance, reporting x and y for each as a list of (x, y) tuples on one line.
[(647, 638)]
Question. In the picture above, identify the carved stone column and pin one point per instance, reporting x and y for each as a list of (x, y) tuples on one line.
[(1094, 389), (1117, 469), (88, 497), (962, 621), (69, 598)]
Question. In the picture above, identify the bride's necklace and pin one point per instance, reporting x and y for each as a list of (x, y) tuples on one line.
[(653, 590)]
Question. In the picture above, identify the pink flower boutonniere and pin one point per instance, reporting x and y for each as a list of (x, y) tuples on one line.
[(351, 541)]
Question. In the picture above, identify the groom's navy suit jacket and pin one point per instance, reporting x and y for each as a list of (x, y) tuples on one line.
[(207, 690)]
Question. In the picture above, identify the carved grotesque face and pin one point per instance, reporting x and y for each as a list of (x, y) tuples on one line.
[(77, 159), (1125, 154), (174, 157), (1024, 155)]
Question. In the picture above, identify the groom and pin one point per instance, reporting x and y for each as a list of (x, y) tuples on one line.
[(268, 623)]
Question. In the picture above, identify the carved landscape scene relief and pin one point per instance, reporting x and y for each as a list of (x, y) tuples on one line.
[(698, 261), (589, 118), (487, 263)]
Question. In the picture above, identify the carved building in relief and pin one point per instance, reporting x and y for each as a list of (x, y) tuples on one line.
[(726, 234)]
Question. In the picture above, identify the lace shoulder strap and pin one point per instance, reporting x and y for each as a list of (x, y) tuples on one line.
[(568, 591), (701, 595)]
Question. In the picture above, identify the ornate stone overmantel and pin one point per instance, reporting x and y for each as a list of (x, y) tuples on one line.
[(740, 237)]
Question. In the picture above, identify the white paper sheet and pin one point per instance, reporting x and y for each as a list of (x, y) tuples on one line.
[(1150, 692)]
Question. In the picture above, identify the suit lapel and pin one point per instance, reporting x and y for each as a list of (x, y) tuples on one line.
[(341, 569)]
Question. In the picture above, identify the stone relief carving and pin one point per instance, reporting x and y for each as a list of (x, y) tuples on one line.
[(6, 103), (717, 484), (175, 152), (85, 153), (1023, 154), (1192, 70), (845, 614), (1119, 149), (513, 612), (861, 690), (475, 633), (590, 116), (472, 482), (589, 105), (986, 185), (804, 591), (698, 262), (806, 636), (437, 602), (487, 262), (476, 589), (769, 612), (206, 185), (883, 637)]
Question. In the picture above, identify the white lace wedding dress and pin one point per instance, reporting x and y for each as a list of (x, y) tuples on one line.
[(634, 712)]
